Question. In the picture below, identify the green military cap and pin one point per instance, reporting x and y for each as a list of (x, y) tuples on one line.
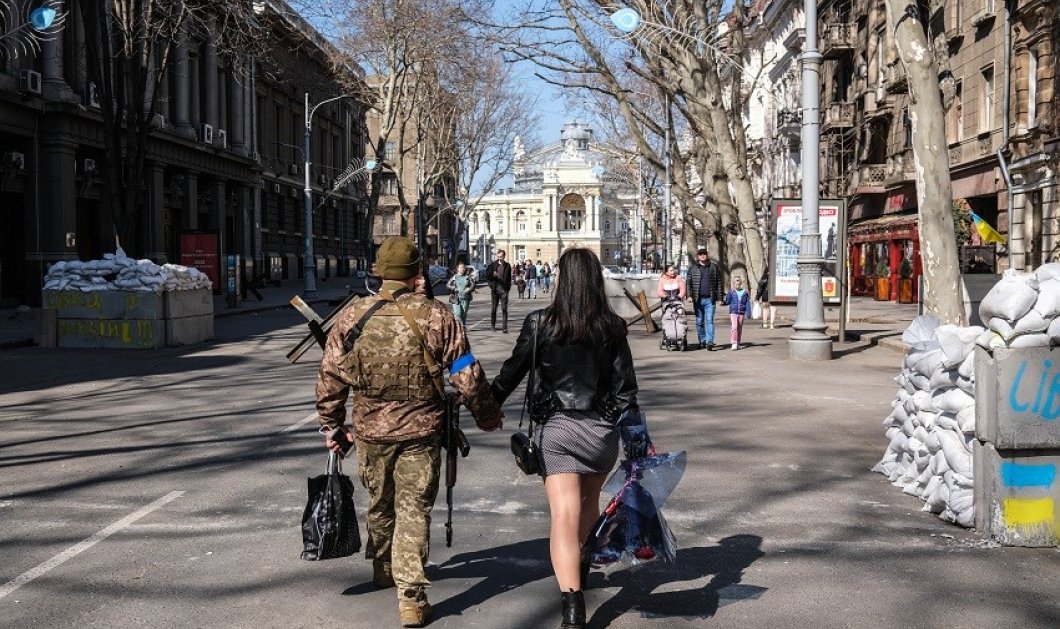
[(397, 259)]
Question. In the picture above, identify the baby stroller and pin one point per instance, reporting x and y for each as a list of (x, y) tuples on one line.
[(675, 329)]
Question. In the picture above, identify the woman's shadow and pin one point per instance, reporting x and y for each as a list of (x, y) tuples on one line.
[(505, 568)]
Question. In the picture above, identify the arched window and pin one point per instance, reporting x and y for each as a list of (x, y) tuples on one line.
[(607, 225), (537, 226), (486, 224), (572, 212), (520, 222), (472, 224)]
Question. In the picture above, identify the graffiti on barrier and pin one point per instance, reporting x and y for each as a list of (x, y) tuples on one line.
[(135, 333), (1043, 398)]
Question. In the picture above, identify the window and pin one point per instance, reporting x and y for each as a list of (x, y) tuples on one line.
[(391, 152), (986, 101), (881, 56), (956, 127), (907, 125), (607, 225), (1032, 88), (520, 222), (389, 185), (472, 223), (537, 226)]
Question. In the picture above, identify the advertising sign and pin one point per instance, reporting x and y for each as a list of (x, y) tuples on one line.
[(199, 250), (784, 250)]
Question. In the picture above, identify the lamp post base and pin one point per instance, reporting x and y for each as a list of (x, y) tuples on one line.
[(810, 346)]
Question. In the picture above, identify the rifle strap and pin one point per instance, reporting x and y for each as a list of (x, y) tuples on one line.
[(432, 365), (358, 328)]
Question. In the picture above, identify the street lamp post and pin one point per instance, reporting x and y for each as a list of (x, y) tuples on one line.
[(810, 340), (309, 261)]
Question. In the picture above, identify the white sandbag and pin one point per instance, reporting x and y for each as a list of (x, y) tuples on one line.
[(922, 400), (1030, 340), (1004, 329), (1046, 272), (1010, 298), (967, 368), (956, 342), (920, 335), (1054, 331), (958, 459), (951, 400), (919, 382), (944, 379), (966, 419), (928, 362), (946, 422), (990, 340), (967, 385), (1048, 302), (1030, 323), (936, 495)]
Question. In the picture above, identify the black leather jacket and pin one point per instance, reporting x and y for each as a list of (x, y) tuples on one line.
[(570, 377)]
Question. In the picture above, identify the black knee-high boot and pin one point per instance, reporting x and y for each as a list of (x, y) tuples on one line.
[(573, 610)]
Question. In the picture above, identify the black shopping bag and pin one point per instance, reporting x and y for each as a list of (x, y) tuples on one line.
[(329, 522)]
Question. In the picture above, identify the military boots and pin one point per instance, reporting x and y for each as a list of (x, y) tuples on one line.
[(413, 607), (382, 577)]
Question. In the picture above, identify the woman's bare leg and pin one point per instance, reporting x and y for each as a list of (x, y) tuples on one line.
[(564, 503)]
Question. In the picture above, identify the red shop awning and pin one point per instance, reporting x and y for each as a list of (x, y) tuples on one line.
[(892, 227)]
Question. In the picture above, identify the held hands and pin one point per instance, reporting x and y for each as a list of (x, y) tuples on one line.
[(490, 424)]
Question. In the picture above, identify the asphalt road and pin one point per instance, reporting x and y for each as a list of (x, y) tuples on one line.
[(165, 489)]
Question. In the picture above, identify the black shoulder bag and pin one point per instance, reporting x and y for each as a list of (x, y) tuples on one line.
[(527, 456)]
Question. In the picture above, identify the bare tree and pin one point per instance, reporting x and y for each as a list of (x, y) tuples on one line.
[(134, 42), (942, 293), (682, 60)]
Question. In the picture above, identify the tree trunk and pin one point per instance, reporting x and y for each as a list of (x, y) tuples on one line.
[(938, 245)]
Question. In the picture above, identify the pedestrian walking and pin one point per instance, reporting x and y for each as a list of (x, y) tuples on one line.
[(499, 277), (769, 312), (372, 281), (671, 286), (738, 299), (460, 289), (703, 285), (584, 388), (546, 276), (520, 281), (384, 350), (531, 280)]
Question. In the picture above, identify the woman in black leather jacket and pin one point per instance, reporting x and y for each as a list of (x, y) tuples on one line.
[(584, 386)]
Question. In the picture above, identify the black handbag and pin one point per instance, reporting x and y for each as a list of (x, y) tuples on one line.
[(329, 522), (527, 456)]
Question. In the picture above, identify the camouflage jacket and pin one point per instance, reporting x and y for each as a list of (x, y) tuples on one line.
[(393, 397)]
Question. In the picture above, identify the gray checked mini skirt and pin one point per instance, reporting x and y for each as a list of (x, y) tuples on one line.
[(577, 442)]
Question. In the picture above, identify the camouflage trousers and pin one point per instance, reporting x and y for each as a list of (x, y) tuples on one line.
[(402, 483)]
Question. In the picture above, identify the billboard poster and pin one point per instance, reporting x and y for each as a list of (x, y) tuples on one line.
[(784, 250)]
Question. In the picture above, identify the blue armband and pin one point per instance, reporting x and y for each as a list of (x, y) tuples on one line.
[(462, 363)]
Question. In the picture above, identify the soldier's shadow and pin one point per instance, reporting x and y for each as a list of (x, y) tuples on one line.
[(499, 570)]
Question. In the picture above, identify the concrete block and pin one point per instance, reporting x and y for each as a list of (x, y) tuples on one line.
[(188, 303), (189, 330), (104, 304), (45, 321), (111, 333), (1017, 395), (1017, 495)]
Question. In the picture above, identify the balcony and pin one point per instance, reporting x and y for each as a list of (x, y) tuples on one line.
[(954, 33), (789, 122), (897, 82), (899, 169), (838, 39), (839, 115), (876, 103), (982, 16), (869, 179)]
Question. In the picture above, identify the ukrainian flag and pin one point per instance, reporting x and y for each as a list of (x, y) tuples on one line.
[(987, 233)]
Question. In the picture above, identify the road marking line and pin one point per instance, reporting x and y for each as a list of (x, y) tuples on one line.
[(84, 545), (302, 422)]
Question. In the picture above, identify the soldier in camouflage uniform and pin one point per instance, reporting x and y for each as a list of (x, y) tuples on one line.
[(398, 414)]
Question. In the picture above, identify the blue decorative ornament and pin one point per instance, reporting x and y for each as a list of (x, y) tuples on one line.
[(42, 18), (626, 20)]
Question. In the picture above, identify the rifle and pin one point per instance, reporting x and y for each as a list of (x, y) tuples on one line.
[(453, 440)]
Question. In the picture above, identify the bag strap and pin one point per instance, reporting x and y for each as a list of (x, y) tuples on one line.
[(531, 381), (432, 365), (358, 328)]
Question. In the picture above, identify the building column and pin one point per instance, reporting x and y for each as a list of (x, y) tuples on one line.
[(210, 78), (58, 201), (54, 84), (80, 55), (182, 89), (236, 91), (154, 227), (194, 95)]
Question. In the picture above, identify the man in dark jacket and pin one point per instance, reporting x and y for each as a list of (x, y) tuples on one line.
[(703, 286), (499, 277)]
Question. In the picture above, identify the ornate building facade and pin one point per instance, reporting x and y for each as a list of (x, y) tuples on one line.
[(566, 194), (224, 156)]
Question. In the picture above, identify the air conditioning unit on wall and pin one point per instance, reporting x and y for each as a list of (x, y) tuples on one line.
[(276, 188), (292, 169), (88, 166), (15, 160), (29, 82), (206, 134)]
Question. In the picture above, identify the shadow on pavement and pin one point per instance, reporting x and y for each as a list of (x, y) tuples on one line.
[(726, 562), (498, 569)]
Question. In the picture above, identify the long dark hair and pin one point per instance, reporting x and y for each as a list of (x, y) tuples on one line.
[(580, 312)]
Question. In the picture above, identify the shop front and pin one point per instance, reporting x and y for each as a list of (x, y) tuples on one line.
[(885, 257)]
